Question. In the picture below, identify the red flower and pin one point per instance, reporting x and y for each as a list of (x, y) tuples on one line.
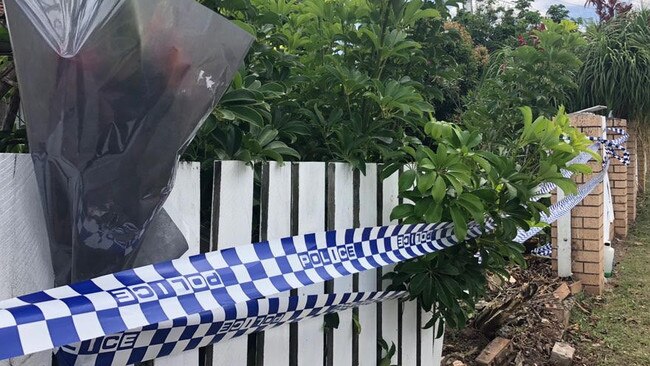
[(522, 41)]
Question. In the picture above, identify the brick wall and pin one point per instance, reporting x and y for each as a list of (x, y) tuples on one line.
[(619, 184)]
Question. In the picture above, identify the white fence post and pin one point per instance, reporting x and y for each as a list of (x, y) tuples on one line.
[(563, 241), (25, 263)]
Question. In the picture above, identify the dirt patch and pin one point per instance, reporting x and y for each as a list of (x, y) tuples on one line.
[(532, 328)]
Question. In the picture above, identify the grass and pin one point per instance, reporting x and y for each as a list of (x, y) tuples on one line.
[(617, 332)]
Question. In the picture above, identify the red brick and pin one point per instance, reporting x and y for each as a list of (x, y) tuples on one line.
[(594, 234), (495, 352), (577, 267), (593, 200), (590, 279), (593, 268), (594, 290), (592, 245), (585, 256), (592, 223), (582, 211)]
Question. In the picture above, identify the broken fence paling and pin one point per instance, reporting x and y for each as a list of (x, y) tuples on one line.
[(214, 296)]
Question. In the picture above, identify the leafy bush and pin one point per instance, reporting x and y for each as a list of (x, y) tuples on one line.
[(355, 79), (496, 26), (460, 183), (540, 73)]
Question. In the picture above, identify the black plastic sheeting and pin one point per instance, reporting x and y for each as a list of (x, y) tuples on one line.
[(113, 91)]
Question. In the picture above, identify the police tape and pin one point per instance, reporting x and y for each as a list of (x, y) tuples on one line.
[(207, 283), (199, 330), (166, 308)]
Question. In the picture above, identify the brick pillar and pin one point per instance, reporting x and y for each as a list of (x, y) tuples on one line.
[(587, 220), (619, 185), (632, 171)]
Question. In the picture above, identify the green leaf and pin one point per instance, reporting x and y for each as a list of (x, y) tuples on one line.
[(460, 223), (406, 180), (356, 324), (579, 168), (434, 213), (248, 114), (426, 181), (566, 185), (402, 211), (418, 284), (390, 169), (448, 269), (439, 189)]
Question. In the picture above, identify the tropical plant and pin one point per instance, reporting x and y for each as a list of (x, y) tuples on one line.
[(616, 69), (459, 182), (540, 73), (450, 67), (358, 77)]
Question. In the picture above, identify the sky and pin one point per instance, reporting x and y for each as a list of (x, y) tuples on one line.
[(576, 7)]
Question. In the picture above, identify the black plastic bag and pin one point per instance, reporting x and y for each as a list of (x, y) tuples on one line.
[(113, 91)]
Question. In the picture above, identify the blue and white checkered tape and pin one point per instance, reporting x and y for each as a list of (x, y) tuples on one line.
[(610, 149), (563, 206), (205, 328), (169, 291), (170, 307), (543, 251)]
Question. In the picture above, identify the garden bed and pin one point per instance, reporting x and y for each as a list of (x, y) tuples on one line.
[(532, 329)]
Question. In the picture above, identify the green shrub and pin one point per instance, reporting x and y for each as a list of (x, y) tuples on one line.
[(540, 73), (459, 182)]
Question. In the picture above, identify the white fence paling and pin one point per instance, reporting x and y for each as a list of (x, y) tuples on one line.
[(232, 224), (294, 200), (341, 216), (366, 212), (275, 223), (389, 309), (309, 183), (25, 264)]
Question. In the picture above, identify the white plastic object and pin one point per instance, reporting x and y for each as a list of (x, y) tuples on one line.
[(609, 259)]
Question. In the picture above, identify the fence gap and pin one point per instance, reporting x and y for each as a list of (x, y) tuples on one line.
[(356, 176)]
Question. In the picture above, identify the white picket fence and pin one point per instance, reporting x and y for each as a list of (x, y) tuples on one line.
[(293, 199)]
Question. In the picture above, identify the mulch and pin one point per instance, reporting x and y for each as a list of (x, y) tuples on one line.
[(532, 330)]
